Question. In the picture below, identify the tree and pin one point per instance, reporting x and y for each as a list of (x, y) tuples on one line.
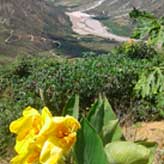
[(149, 27)]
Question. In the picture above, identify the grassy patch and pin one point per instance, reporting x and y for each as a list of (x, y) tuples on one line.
[(116, 28), (4, 59)]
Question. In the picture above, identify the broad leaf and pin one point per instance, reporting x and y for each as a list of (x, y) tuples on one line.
[(96, 115), (148, 27), (109, 115), (152, 146), (89, 147), (127, 153), (72, 107), (104, 120), (111, 130)]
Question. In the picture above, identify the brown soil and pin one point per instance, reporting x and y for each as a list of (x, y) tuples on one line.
[(4, 161)]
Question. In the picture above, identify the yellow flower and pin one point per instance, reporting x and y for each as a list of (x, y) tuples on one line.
[(42, 137), (50, 153), (29, 157), (62, 130), (26, 128), (57, 138), (28, 124)]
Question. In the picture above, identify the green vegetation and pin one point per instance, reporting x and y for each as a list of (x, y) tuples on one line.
[(101, 126), (150, 86), (137, 50), (149, 26), (116, 28), (40, 81), (131, 76)]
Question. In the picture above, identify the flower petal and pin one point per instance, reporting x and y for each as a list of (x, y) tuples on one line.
[(50, 153)]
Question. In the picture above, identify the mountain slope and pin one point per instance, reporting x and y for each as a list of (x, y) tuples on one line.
[(34, 26), (114, 13), (117, 9), (25, 26)]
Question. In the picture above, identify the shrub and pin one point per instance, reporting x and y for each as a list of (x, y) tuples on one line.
[(149, 27), (51, 81), (137, 50), (8, 112), (151, 86)]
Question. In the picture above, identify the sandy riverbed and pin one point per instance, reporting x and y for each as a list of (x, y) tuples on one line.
[(84, 24)]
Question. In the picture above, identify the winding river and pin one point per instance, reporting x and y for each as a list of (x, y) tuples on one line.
[(84, 24)]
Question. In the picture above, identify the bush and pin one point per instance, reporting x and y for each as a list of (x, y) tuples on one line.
[(145, 110), (149, 27), (150, 86), (8, 112), (51, 81), (137, 50)]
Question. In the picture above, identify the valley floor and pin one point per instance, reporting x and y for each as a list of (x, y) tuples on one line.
[(84, 24)]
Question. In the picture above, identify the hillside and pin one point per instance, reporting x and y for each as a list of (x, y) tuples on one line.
[(96, 66), (25, 26), (42, 27), (115, 8), (114, 13), (120, 8)]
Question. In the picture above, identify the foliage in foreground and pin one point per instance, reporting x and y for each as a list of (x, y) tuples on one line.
[(42, 138), (99, 141), (50, 82)]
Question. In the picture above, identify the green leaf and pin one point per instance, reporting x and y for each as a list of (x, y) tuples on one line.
[(111, 130), (150, 84), (104, 120), (160, 103), (96, 115), (109, 115), (152, 146), (72, 107), (127, 153), (148, 26), (89, 147)]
